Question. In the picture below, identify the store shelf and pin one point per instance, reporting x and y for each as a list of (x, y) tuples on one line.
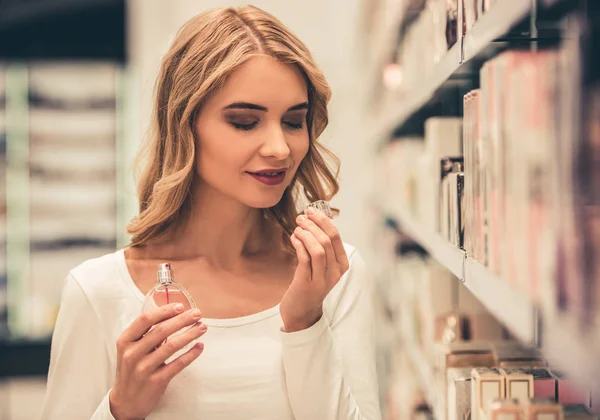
[(419, 95), (515, 310), (510, 307), (493, 24), (443, 251)]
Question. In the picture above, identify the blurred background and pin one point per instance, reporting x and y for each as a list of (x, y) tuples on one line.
[(469, 136)]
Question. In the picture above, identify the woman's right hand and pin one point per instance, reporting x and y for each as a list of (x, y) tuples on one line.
[(142, 375)]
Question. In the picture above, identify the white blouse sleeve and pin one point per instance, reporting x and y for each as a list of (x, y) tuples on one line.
[(330, 367), (79, 378)]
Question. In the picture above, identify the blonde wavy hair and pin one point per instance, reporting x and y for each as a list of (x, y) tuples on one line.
[(205, 51)]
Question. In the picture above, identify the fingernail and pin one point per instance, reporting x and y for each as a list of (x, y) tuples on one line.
[(310, 211), (196, 313), (202, 326), (179, 307), (298, 230), (301, 218)]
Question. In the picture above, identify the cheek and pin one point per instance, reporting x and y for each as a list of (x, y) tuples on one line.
[(299, 149), (215, 159)]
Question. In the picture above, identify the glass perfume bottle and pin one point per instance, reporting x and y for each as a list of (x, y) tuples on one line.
[(165, 292)]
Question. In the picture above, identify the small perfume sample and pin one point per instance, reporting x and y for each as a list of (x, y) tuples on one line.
[(323, 206)]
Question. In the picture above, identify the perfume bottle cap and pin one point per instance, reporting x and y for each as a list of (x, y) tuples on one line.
[(164, 274)]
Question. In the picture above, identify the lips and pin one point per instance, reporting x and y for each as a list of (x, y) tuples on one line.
[(269, 177)]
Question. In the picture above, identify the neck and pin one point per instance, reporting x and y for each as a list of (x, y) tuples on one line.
[(219, 229)]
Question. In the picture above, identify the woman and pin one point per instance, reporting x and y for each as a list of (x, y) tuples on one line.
[(285, 323)]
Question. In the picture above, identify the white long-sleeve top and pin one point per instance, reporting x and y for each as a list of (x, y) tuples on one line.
[(249, 369)]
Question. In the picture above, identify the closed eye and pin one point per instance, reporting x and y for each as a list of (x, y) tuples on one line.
[(294, 126), (244, 127)]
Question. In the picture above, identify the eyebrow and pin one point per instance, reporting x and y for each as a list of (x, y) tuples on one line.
[(248, 105)]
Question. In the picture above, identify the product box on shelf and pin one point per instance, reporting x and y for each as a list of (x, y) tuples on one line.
[(570, 391), (460, 354), (402, 154), (519, 384), (487, 385), (591, 211), (509, 409), (491, 137), (528, 182), (451, 22), (542, 409), (566, 292), (474, 167), (458, 388), (450, 199), (443, 138), (512, 226)]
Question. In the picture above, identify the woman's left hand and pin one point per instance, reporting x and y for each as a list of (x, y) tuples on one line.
[(322, 261)]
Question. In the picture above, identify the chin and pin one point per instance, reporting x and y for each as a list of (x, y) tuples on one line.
[(262, 200)]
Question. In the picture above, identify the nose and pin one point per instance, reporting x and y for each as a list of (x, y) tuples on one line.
[(275, 144)]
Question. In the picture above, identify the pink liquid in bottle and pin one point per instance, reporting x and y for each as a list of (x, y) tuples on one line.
[(166, 292)]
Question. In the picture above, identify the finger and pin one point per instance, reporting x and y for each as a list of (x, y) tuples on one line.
[(155, 359), (163, 330), (318, 258), (307, 224), (142, 324), (301, 253), (168, 372), (325, 223)]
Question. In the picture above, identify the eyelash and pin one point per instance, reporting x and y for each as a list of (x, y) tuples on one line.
[(244, 127), (248, 127)]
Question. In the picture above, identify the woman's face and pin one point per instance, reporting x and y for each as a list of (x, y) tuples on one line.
[(252, 134)]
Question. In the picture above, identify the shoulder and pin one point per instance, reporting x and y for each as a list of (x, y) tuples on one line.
[(98, 289), (101, 280), (96, 272)]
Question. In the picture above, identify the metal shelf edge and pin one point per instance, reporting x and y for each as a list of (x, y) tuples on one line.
[(503, 15), (443, 251), (513, 308)]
